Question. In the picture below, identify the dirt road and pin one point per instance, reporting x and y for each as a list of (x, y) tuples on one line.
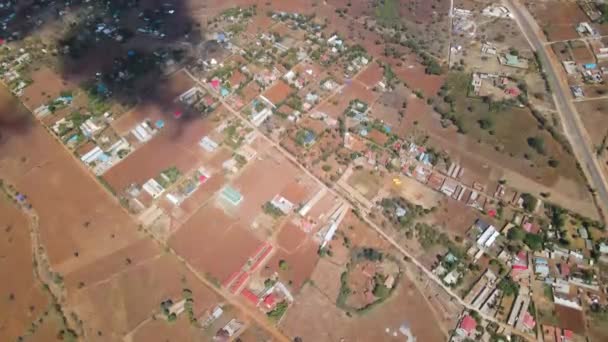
[(571, 121)]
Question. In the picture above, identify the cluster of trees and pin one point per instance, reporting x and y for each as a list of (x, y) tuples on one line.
[(508, 286), (370, 254), (534, 241), (278, 311), (429, 236), (537, 143), (529, 202), (272, 210)]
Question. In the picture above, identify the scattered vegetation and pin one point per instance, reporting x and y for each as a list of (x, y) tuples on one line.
[(272, 210), (278, 312)]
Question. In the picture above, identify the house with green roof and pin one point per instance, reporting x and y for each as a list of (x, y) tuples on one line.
[(513, 61), (231, 195)]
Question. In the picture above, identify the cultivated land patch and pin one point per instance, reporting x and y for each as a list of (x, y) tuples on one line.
[(79, 221), (116, 306), (571, 319), (559, 19), (300, 264), (214, 243), (176, 145)]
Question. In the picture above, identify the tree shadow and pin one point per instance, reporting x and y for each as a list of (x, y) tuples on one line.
[(119, 50)]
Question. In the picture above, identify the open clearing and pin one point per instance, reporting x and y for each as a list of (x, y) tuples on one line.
[(366, 182), (315, 317), (214, 243), (595, 118)]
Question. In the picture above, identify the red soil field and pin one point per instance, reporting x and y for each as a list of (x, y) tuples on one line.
[(260, 181), (18, 282), (298, 192), (371, 75), (46, 86), (76, 214), (378, 137), (336, 105), (250, 92), (278, 92), (259, 24), (570, 319), (301, 263), (137, 253), (291, 237), (559, 19), (116, 306), (175, 145), (214, 243), (413, 74), (160, 330), (583, 55)]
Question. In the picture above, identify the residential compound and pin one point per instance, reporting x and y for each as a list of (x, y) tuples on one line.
[(302, 170)]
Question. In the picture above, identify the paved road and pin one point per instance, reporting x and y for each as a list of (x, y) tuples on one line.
[(349, 198), (572, 124)]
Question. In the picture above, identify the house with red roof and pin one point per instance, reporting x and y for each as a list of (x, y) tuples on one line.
[(270, 301), (528, 321), (215, 83), (250, 296), (467, 326), (520, 262), (564, 270)]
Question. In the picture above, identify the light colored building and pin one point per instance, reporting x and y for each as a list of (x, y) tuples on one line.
[(231, 195)]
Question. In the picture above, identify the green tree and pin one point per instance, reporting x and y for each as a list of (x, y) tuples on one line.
[(508, 286), (529, 202), (283, 265), (278, 312), (516, 234), (537, 143), (381, 291), (535, 242), (486, 123)]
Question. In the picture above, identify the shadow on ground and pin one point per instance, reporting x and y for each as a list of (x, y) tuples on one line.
[(117, 48)]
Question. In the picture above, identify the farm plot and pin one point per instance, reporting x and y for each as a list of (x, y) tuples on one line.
[(79, 221), (116, 306), (559, 19), (210, 235), (176, 145)]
